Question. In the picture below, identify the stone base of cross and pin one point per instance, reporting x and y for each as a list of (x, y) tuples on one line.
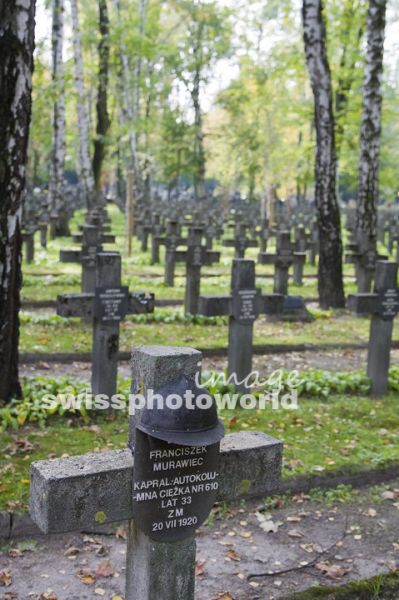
[(72, 494), (383, 306), (105, 308), (243, 307)]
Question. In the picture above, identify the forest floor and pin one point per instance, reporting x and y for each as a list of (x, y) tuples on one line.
[(322, 538)]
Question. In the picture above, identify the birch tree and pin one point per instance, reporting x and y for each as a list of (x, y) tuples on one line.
[(330, 276), (131, 96), (56, 183), (16, 67), (103, 120), (370, 131), (85, 167)]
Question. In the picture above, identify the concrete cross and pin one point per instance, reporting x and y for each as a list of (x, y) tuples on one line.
[(243, 306), (144, 227), (157, 230), (91, 245), (171, 241), (282, 260), (264, 234), (383, 306), (196, 256), (106, 308), (301, 246), (240, 242), (71, 494), (364, 256), (28, 238)]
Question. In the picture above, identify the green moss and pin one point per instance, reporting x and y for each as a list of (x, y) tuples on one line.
[(381, 587)]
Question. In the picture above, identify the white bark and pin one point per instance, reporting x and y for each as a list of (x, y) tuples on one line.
[(131, 94), (86, 174), (56, 184), (370, 133)]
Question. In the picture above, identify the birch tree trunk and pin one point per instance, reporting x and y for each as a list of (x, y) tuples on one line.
[(131, 99), (370, 132), (56, 183), (16, 66), (103, 120), (85, 168), (199, 151), (330, 276)]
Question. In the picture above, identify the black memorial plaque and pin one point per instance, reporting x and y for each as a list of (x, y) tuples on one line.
[(388, 303), (246, 306), (174, 487), (111, 304)]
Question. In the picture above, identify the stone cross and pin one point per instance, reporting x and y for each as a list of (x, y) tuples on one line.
[(283, 259), (106, 308), (240, 242), (243, 306), (264, 234), (383, 306), (364, 256), (91, 245), (301, 246), (28, 237), (171, 241), (43, 227), (196, 256), (157, 230), (76, 493), (144, 229), (313, 244)]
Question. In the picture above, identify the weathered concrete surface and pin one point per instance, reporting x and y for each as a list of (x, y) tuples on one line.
[(74, 493), (229, 550)]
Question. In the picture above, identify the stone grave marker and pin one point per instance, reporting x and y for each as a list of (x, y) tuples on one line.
[(28, 238), (383, 306), (91, 245), (106, 308), (243, 306), (282, 260), (196, 256), (364, 256), (171, 241), (301, 246), (74, 493), (157, 230), (240, 241)]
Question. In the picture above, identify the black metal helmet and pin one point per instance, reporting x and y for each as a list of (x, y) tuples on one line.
[(183, 426)]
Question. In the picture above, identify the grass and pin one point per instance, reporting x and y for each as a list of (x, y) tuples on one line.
[(345, 433), (137, 269), (47, 333), (381, 587)]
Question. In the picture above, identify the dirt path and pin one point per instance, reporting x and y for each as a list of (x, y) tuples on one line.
[(362, 537), (332, 361)]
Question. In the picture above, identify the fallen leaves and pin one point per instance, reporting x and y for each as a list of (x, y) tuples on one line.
[(199, 568), (86, 576), (332, 571), (295, 533), (232, 555), (5, 578), (267, 524), (104, 569)]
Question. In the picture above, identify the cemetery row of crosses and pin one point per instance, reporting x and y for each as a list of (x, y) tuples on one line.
[(199, 349)]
